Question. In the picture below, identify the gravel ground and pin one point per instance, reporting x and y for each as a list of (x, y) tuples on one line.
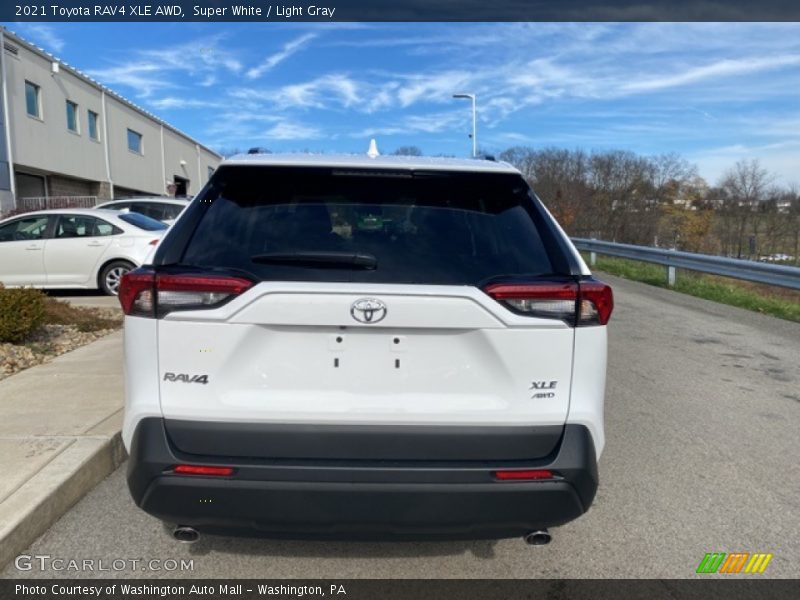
[(46, 343)]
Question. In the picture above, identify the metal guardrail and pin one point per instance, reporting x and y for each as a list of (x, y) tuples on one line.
[(788, 277)]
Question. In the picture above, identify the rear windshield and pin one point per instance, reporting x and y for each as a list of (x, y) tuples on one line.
[(420, 227), (141, 221)]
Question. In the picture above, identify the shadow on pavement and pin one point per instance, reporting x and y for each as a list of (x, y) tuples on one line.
[(291, 548)]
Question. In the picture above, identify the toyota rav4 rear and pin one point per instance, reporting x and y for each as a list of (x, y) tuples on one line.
[(359, 347)]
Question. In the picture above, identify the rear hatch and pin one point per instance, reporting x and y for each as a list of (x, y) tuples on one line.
[(330, 314)]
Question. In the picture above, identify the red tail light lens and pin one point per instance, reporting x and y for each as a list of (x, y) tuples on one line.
[(148, 294), (524, 475), (136, 292), (203, 470), (176, 292), (545, 300), (597, 303), (584, 303)]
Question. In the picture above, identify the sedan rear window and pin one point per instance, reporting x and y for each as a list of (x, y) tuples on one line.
[(315, 224), (142, 222)]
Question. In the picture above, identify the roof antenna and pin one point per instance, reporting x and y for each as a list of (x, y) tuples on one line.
[(373, 149)]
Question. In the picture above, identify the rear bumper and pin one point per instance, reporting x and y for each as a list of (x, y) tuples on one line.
[(361, 499)]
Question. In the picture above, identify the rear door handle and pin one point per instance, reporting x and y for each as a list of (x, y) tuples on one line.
[(33, 248)]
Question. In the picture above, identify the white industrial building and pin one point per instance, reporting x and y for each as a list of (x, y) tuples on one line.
[(67, 139)]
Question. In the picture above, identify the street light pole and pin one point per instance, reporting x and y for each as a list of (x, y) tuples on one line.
[(474, 122)]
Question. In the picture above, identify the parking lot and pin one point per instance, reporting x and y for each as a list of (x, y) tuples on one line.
[(702, 416)]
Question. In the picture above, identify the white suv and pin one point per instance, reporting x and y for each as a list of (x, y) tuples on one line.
[(352, 347)]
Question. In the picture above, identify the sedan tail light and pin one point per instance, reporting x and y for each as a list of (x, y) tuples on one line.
[(576, 303), (146, 293)]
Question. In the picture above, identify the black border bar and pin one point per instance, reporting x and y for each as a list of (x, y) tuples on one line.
[(401, 10), (712, 588)]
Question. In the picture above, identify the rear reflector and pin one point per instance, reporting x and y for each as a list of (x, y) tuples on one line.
[(203, 470), (148, 294), (527, 475), (583, 303)]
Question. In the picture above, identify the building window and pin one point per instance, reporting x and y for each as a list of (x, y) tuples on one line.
[(134, 141), (72, 116), (32, 100), (91, 118)]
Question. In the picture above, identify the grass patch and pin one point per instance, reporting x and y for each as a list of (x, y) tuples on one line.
[(768, 300), (59, 312)]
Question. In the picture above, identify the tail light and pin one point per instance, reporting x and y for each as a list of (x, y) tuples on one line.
[(596, 303), (146, 293), (579, 304)]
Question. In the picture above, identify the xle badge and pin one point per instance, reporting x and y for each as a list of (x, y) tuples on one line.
[(541, 389)]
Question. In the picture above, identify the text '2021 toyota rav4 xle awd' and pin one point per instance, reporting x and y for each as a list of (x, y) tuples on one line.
[(365, 347)]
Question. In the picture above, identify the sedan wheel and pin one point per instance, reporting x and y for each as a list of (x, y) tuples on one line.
[(111, 276)]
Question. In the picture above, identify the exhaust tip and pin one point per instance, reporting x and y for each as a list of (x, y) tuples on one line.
[(185, 535), (541, 537)]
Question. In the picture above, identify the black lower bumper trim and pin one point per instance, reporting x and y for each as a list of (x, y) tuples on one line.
[(376, 499), (353, 442)]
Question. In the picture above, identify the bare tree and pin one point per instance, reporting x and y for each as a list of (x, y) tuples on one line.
[(744, 187), (407, 151), (620, 196)]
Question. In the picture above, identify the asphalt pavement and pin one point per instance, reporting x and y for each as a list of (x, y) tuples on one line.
[(702, 422)]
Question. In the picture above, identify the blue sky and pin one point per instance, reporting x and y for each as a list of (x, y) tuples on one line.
[(715, 93)]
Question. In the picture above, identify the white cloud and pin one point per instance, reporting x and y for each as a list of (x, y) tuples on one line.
[(780, 159), (290, 48), (510, 138), (436, 87), (722, 68), (286, 130), (323, 92), (144, 78), (425, 123), (157, 69), (197, 56), (44, 35), (173, 102)]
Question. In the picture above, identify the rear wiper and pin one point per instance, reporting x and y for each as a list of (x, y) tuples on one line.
[(323, 260)]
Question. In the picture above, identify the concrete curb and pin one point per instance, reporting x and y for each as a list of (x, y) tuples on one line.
[(44, 498), (60, 426)]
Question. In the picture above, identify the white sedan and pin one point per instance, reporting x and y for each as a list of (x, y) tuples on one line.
[(165, 210), (74, 248)]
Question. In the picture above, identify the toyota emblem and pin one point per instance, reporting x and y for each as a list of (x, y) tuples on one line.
[(368, 310)]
